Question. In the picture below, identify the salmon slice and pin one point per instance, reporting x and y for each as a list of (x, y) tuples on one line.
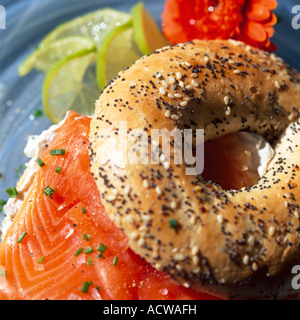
[(39, 255)]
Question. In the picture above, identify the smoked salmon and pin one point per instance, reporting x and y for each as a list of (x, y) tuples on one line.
[(62, 245)]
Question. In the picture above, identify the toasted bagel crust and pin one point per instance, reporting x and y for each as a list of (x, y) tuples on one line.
[(236, 243)]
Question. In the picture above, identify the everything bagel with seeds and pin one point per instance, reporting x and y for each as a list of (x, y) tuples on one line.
[(232, 243)]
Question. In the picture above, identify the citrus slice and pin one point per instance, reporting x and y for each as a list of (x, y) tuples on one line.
[(94, 25), (146, 31), (117, 51), (71, 84), (44, 58)]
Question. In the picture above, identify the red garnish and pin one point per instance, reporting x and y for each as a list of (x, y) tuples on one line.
[(250, 21)]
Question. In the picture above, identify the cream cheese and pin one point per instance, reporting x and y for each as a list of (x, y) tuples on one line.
[(35, 146)]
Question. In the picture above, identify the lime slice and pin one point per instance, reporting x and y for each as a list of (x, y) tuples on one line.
[(94, 25), (71, 84), (146, 31), (117, 51), (44, 58)]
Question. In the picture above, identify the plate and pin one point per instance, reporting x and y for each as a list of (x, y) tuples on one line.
[(27, 22)]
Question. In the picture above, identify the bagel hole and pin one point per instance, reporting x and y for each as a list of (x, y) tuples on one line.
[(236, 160)]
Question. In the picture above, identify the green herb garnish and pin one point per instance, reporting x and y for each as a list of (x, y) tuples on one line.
[(102, 248), (40, 162), (57, 152), (22, 237), (12, 192), (173, 224), (78, 252), (115, 261), (49, 191), (58, 170)]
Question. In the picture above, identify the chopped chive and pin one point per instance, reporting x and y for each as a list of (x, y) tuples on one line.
[(85, 286), (12, 192), (102, 248), (38, 113), (173, 223), (3, 273), (40, 162), (88, 250), (22, 237), (1, 175), (83, 210), (115, 261), (2, 204), (57, 152), (58, 170), (86, 236), (100, 256), (89, 261), (78, 252), (49, 191), (41, 259)]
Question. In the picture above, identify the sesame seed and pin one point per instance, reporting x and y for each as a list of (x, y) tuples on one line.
[(251, 240), (178, 95), (129, 219), (195, 260), (291, 117), (187, 64), (226, 100), (236, 71), (174, 117), (162, 158), (171, 80), (170, 96), (248, 153), (165, 83), (168, 114), (220, 219), (134, 236), (277, 84), (271, 231), (173, 205), (228, 111), (296, 213), (127, 189), (178, 75), (159, 76), (178, 257), (112, 197), (158, 190), (141, 242), (162, 91), (167, 165), (195, 83), (183, 103), (246, 260), (254, 266), (188, 87), (206, 59), (194, 75), (195, 250), (178, 267), (181, 84), (146, 183)]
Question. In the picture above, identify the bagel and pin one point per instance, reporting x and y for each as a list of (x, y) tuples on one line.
[(231, 243)]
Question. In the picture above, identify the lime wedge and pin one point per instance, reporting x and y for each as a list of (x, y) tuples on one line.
[(146, 31), (117, 51), (71, 84), (94, 25), (44, 58)]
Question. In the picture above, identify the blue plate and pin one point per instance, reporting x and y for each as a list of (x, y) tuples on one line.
[(27, 22)]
